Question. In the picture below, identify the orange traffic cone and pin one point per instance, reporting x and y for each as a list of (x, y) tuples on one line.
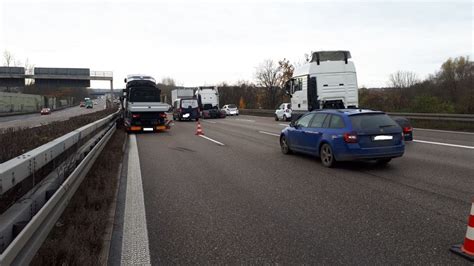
[(199, 129), (467, 249)]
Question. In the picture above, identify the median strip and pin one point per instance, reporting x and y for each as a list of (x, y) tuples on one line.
[(444, 144)]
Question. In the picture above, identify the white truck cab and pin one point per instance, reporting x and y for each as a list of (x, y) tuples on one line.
[(328, 80)]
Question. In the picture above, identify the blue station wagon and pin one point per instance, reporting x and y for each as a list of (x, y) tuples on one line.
[(344, 135)]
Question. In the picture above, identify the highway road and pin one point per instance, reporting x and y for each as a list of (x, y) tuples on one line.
[(233, 197), (33, 120)]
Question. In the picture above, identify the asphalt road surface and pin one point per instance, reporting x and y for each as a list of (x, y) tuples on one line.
[(235, 198), (32, 120)]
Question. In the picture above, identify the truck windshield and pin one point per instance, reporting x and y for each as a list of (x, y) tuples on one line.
[(144, 94), (187, 103)]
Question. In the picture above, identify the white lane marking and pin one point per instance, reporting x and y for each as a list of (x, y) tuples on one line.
[(247, 120), (285, 125), (269, 133), (213, 140), (212, 122), (444, 144), (135, 247), (444, 131)]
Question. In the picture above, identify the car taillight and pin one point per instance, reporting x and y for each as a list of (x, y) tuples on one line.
[(163, 115), (350, 137), (407, 129), (135, 116)]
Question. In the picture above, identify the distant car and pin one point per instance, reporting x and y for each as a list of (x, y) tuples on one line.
[(283, 112), (344, 135), (230, 109), (45, 111), (82, 104), (406, 127)]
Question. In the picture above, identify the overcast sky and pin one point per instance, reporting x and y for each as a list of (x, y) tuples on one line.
[(209, 43)]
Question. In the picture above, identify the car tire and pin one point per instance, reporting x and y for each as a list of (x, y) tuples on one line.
[(327, 155), (285, 148), (383, 161), (276, 118), (284, 118)]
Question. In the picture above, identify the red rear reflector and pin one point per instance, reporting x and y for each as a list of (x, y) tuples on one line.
[(135, 116), (350, 137), (135, 128)]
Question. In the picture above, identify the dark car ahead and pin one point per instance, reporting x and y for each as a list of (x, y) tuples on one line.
[(406, 127), (344, 135), (186, 109)]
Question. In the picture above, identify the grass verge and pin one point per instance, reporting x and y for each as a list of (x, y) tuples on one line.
[(78, 235)]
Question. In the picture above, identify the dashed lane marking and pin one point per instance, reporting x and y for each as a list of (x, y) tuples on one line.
[(444, 144), (213, 140), (269, 133)]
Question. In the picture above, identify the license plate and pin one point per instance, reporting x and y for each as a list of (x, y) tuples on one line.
[(147, 129), (383, 137), (186, 115)]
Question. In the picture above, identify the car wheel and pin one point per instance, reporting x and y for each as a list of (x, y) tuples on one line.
[(327, 156), (276, 118), (284, 118), (383, 161), (285, 148)]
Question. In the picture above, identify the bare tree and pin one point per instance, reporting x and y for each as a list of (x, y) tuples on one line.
[(403, 79), (268, 76), (8, 58), (400, 81), (168, 81)]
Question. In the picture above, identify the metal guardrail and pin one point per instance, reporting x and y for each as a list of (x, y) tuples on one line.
[(26, 224), (422, 116)]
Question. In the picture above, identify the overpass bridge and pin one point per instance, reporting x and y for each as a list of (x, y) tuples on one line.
[(52, 77)]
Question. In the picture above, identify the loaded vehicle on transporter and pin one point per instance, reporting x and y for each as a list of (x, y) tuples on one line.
[(142, 109)]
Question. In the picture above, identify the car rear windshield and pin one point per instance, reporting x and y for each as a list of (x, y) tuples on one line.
[(232, 106), (371, 121), (187, 103), (144, 94)]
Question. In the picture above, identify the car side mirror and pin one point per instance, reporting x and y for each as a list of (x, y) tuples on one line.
[(293, 124)]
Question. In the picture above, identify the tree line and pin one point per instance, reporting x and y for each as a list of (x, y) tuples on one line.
[(448, 90)]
